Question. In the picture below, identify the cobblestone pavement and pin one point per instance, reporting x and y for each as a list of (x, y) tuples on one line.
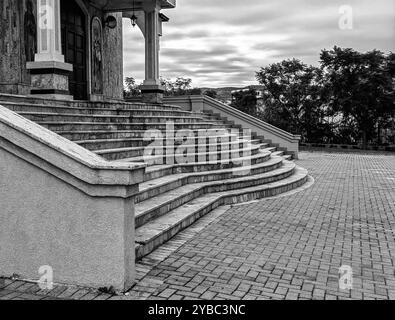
[(283, 248)]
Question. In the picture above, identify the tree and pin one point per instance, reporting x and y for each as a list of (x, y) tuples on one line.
[(195, 91), (179, 87), (294, 98), (130, 88), (245, 101), (182, 85), (211, 93), (361, 87)]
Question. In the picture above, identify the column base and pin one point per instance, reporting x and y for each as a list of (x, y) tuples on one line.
[(52, 94), (50, 79), (152, 94)]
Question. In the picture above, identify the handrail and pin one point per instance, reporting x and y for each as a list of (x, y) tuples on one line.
[(64, 154), (246, 117)]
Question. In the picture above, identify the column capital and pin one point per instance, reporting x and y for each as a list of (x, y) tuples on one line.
[(152, 5)]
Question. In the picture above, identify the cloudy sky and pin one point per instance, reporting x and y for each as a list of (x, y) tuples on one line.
[(223, 42)]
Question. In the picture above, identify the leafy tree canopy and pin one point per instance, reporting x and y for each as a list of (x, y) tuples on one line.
[(179, 87), (293, 96), (246, 101), (361, 86)]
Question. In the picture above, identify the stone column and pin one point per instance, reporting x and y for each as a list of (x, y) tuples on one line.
[(49, 72), (151, 89)]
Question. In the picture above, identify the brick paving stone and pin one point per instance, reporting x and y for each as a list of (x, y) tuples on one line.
[(14, 285), (4, 292), (103, 296), (200, 289), (51, 298), (90, 296), (281, 290), (67, 294), (29, 287), (79, 294), (26, 296), (208, 295), (167, 293), (11, 295)]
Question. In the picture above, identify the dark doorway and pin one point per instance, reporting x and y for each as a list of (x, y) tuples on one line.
[(74, 46)]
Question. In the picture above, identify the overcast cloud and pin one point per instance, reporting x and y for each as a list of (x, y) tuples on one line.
[(224, 42)]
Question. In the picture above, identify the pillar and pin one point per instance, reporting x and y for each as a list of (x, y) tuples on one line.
[(151, 89), (49, 72)]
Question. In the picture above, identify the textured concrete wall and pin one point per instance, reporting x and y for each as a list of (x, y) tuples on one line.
[(14, 77), (44, 221)]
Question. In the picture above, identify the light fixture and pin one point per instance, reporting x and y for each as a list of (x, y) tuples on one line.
[(110, 22), (133, 19)]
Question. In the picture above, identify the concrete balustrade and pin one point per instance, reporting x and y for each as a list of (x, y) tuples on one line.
[(201, 103), (65, 207)]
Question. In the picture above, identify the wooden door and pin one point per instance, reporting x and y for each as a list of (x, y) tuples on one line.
[(74, 37)]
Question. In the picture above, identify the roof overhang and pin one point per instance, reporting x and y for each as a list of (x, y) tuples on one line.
[(164, 18), (127, 5)]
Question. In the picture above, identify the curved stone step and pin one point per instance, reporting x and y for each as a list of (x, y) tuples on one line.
[(278, 153), (138, 152), (81, 135), (158, 171), (287, 157), (160, 205), (102, 144), (150, 189), (204, 156), (151, 235)]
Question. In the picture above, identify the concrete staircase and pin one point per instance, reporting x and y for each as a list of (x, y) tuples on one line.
[(227, 168)]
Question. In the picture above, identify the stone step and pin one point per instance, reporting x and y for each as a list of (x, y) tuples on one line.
[(278, 153), (43, 108), (208, 157), (159, 171), (130, 152), (270, 149), (164, 183), (207, 116), (58, 127), (153, 234), (10, 98), (83, 135), (101, 144), (120, 119), (114, 104), (152, 208)]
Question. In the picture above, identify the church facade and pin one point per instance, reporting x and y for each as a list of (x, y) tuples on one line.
[(72, 49)]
